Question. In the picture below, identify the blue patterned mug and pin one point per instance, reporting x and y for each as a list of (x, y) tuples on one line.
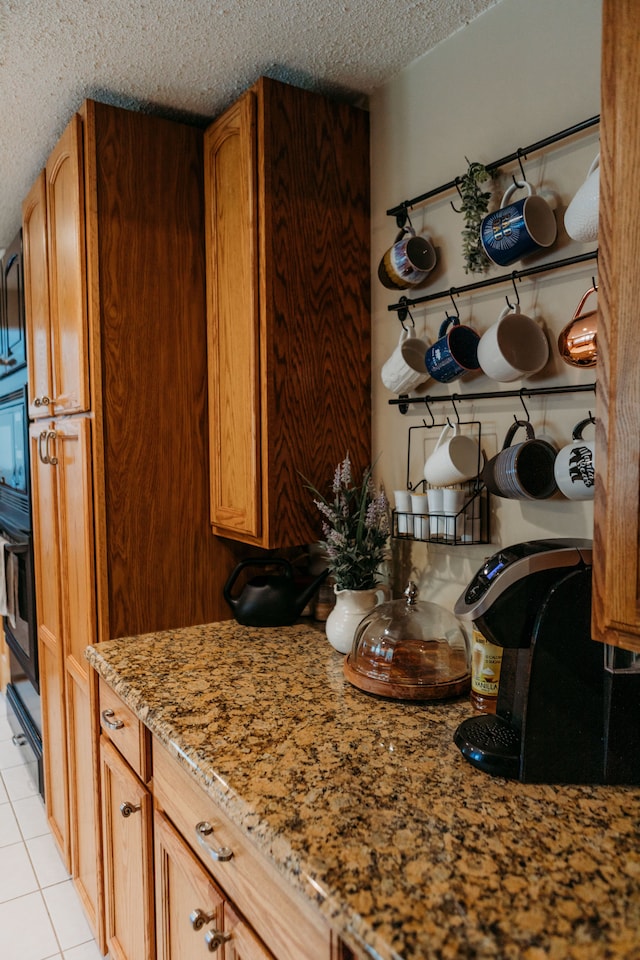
[(454, 353), (518, 229)]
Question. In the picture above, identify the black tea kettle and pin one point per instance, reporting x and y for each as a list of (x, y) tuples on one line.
[(269, 600)]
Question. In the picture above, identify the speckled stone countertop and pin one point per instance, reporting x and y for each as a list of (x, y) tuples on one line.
[(415, 854)]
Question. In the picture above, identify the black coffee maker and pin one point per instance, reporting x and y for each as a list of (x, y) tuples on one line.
[(568, 707)]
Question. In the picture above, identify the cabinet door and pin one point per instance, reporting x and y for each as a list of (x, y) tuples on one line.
[(616, 569), (189, 905), (49, 627), (13, 353), (243, 943), (36, 294), (67, 272), (232, 315), (69, 445), (127, 838)]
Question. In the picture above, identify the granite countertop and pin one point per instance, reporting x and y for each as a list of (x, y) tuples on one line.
[(368, 808)]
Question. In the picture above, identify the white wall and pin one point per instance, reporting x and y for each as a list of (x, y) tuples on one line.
[(520, 72)]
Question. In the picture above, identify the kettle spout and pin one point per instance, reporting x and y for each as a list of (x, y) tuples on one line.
[(303, 598)]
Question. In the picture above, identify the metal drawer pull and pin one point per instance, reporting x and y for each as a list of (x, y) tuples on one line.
[(43, 457), (203, 830), (18, 739), (126, 808), (107, 719), (51, 435), (198, 918), (215, 938)]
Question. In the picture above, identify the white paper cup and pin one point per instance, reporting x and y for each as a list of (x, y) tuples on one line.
[(405, 369), (514, 346), (436, 512), (420, 523), (454, 459), (402, 500)]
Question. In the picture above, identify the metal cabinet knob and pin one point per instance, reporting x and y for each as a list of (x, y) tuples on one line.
[(215, 938), (107, 719), (126, 808), (42, 401), (198, 918), (203, 830)]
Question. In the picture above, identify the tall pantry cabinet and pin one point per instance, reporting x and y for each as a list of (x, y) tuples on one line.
[(115, 296)]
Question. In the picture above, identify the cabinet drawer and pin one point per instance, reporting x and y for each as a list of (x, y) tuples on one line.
[(125, 731), (286, 923)]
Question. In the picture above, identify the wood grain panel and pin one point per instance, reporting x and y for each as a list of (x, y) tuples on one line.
[(163, 567), (36, 294), (316, 305), (616, 574), (312, 319), (128, 848), (232, 305), (67, 272)]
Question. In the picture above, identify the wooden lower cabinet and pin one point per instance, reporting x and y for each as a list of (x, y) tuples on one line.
[(193, 917), (128, 858)]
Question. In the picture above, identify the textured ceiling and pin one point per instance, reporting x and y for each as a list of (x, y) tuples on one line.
[(190, 58)]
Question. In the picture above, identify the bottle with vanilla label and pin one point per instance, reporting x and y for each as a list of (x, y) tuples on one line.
[(486, 661)]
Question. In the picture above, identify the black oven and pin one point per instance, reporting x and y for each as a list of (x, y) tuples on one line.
[(17, 593)]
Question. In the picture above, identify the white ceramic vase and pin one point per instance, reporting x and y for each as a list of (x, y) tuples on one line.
[(351, 607)]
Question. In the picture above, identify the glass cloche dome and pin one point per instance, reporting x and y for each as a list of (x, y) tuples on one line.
[(410, 650)]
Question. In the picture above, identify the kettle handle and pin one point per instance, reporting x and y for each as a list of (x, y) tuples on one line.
[(253, 562), (585, 297)]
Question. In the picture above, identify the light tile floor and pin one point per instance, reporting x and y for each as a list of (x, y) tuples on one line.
[(40, 914)]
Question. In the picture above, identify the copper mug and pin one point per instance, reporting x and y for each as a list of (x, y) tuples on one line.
[(577, 341)]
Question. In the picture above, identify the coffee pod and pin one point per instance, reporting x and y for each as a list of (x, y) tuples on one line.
[(574, 467), (515, 346), (518, 228)]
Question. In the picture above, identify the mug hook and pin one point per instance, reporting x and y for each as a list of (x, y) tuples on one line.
[(512, 306), (520, 155), (404, 312), (524, 406), (402, 216), (455, 409), (453, 291), (430, 412), (456, 184)]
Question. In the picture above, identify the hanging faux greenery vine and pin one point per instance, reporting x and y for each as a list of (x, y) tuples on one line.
[(475, 203)]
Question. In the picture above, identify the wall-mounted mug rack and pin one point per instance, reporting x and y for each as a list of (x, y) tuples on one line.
[(426, 400), (400, 211)]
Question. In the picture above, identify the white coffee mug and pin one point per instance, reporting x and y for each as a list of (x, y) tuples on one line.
[(574, 466), (514, 346), (581, 216), (402, 500), (405, 369), (454, 459), (420, 519)]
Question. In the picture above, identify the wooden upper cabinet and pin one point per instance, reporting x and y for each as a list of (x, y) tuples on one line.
[(234, 366), (36, 291), (55, 282), (616, 570), (288, 303)]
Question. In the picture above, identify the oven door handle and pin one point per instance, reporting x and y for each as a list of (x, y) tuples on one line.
[(16, 547)]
